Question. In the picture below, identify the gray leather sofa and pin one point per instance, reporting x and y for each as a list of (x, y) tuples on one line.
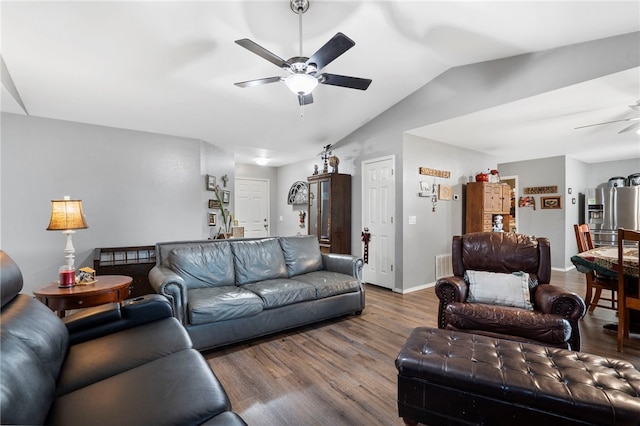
[(226, 291), (111, 365)]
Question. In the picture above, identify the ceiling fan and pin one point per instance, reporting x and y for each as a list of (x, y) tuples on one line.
[(634, 126), (304, 72)]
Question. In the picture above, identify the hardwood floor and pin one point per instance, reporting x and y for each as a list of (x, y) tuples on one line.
[(342, 372)]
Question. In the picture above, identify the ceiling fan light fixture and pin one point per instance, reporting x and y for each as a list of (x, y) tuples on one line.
[(301, 83)]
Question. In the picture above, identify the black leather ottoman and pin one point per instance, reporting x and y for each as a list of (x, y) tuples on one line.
[(449, 377)]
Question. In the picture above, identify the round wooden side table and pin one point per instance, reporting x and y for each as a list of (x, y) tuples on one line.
[(106, 289)]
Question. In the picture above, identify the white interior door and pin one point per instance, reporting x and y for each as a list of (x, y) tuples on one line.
[(378, 207), (252, 206)]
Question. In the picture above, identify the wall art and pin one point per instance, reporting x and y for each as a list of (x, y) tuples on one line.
[(211, 183), (551, 202)]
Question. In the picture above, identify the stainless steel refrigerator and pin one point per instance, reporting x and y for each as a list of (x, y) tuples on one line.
[(610, 208)]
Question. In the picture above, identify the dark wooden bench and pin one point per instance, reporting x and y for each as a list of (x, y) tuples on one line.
[(447, 378)]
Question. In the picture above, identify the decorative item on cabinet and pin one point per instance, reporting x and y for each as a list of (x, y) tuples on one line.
[(330, 211)]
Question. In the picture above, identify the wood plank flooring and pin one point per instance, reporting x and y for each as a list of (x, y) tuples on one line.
[(342, 371)]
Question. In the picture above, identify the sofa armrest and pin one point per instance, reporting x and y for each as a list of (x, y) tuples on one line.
[(171, 285), (449, 289), (110, 318), (344, 264)]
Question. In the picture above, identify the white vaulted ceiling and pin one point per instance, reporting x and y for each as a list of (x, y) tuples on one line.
[(169, 67)]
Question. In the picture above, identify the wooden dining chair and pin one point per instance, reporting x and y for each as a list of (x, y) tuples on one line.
[(628, 286), (595, 282)]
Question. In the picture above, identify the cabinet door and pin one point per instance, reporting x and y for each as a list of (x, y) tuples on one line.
[(325, 210), (313, 208), (494, 193), (506, 199)]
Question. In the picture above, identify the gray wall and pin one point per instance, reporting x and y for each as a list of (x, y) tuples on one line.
[(136, 188), (540, 222)]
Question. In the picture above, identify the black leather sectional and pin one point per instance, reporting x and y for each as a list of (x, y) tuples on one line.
[(129, 364)]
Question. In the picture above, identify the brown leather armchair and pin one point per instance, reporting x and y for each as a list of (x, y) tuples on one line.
[(554, 319)]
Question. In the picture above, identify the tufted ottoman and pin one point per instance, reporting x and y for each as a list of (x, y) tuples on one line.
[(448, 377)]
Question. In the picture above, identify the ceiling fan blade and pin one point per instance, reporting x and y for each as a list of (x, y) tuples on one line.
[(335, 47), (258, 82), (634, 126), (305, 99), (345, 81), (607, 122), (262, 52)]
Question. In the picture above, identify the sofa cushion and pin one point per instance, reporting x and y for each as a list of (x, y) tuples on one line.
[(258, 260), (499, 289), (221, 303), (178, 389), (330, 283), (301, 254), (280, 292), (206, 265), (97, 359)]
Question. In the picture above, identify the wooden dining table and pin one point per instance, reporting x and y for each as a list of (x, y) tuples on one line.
[(604, 260)]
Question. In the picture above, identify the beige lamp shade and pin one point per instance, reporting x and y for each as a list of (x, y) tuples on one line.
[(66, 215)]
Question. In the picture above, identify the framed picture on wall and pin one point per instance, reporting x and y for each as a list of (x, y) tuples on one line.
[(212, 219), (211, 183), (551, 202), (225, 196), (214, 204)]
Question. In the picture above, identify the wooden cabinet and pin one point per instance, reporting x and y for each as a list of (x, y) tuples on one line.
[(135, 262), (330, 211), (485, 201)]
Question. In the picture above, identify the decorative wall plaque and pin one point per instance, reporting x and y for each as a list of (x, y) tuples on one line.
[(541, 190), (436, 173)]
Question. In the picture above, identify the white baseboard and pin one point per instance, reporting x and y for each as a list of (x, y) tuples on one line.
[(564, 269), (416, 288)]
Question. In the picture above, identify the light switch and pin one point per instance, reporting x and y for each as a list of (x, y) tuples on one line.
[(412, 220), (281, 219)]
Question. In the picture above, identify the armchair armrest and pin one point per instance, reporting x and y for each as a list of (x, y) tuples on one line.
[(552, 299), (343, 263), (112, 317), (450, 289), (171, 285)]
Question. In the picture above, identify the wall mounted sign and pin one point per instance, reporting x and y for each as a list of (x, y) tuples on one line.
[(436, 173), (541, 190)]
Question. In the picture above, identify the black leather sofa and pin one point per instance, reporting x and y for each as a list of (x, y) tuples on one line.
[(227, 291), (129, 364)]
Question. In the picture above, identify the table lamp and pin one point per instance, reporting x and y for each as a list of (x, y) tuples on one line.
[(66, 216)]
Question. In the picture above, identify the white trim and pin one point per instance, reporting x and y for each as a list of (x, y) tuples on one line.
[(416, 288)]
